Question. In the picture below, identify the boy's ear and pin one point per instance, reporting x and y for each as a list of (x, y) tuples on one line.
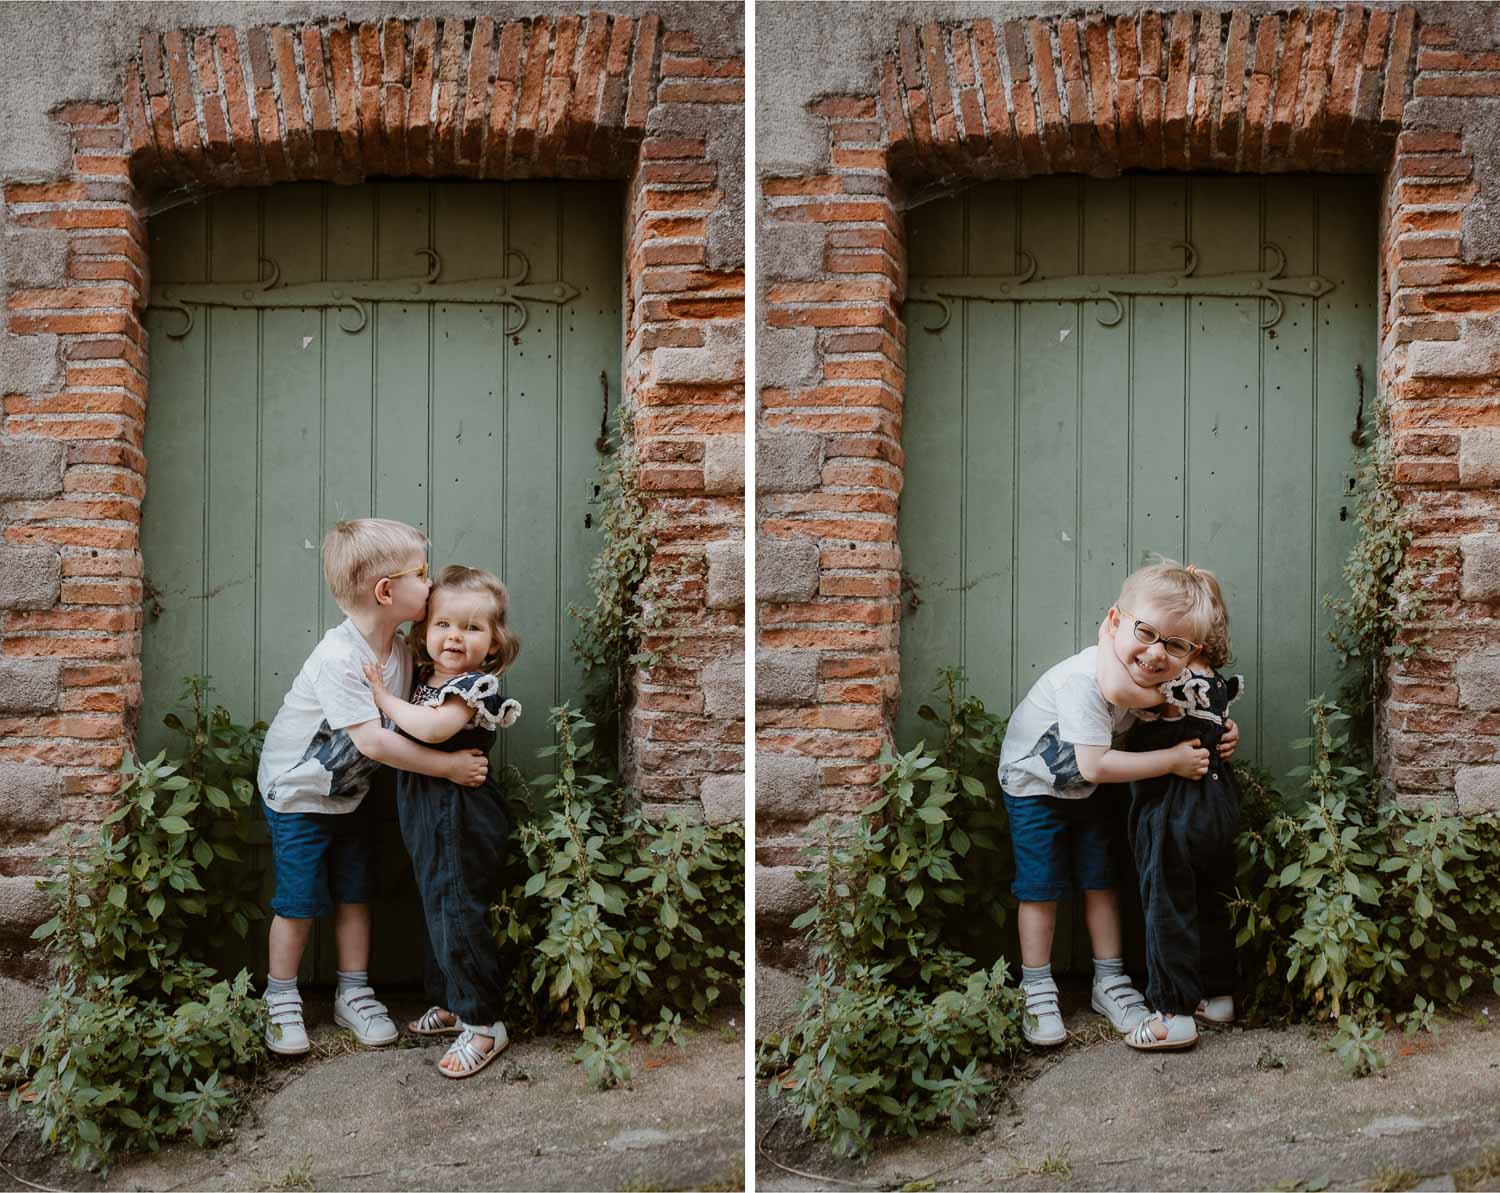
[(383, 591)]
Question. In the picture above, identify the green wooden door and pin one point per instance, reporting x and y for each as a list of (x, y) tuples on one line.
[(266, 426), (1046, 453)]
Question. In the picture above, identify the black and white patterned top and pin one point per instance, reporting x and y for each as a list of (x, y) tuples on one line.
[(480, 691)]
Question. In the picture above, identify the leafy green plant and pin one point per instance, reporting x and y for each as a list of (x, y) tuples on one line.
[(898, 1019), (612, 635), (137, 1042), (1382, 616), (618, 922), (1365, 911)]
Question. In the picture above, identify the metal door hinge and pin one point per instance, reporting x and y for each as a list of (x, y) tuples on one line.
[(1100, 287), (512, 290)]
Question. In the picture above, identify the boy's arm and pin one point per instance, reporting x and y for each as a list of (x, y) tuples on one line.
[(1115, 684), (1103, 764), (467, 768), (427, 723)]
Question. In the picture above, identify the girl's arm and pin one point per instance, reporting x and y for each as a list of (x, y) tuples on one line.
[(429, 724), (1103, 764)]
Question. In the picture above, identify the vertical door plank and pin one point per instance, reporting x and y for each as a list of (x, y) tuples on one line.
[(233, 422), (402, 401), (1158, 406), (1047, 430), (1281, 676), (1104, 457), (932, 439), (1223, 417), (349, 377), (172, 510), (989, 435), (1347, 326), (531, 475), (291, 575), (590, 234)]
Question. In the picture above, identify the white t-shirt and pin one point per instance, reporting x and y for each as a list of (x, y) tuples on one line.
[(1064, 709), (309, 762)]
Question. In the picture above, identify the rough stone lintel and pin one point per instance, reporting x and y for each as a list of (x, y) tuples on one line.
[(726, 574), (786, 569), (1478, 789), (723, 798), (1480, 578), (785, 677), (724, 464), (724, 687), (29, 684), (30, 577), (788, 463), (1479, 458), (31, 467), (30, 797), (786, 787)]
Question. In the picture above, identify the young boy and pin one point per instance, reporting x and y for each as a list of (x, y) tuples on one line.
[(1058, 748), (321, 752)]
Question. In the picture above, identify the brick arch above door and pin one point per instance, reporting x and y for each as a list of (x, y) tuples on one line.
[(1233, 89), (537, 97)]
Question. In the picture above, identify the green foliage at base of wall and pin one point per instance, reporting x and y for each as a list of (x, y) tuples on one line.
[(1365, 912), (138, 1043), (617, 922), (898, 1019)]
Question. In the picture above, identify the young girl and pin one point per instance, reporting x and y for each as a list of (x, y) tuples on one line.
[(1182, 832), (456, 835)]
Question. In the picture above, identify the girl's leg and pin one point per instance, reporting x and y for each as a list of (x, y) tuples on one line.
[(1101, 912)]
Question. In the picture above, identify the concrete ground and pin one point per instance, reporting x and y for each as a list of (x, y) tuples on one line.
[(1245, 1109), (351, 1119)]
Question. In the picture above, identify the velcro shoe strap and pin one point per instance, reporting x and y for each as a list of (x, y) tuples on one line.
[(1128, 995), (1041, 996)]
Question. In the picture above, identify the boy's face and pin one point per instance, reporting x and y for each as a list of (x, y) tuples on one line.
[(1151, 664), (404, 589)]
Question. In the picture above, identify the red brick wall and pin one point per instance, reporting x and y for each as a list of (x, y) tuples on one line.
[(1244, 89), (578, 97)]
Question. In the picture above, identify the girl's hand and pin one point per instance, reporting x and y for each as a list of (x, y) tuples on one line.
[(377, 685), (1189, 759), (1230, 741)]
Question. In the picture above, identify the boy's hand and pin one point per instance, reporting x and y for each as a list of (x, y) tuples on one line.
[(469, 767), (1189, 759), (377, 684), (1230, 741)]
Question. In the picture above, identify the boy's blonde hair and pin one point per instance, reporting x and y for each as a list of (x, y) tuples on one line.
[(456, 577), (1186, 590), (357, 553)]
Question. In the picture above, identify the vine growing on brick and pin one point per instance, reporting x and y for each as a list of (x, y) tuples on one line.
[(612, 635)]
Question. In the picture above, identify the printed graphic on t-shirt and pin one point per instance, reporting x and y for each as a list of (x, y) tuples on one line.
[(1062, 761), (349, 772)]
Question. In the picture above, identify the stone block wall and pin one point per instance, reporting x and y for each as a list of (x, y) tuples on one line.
[(650, 95), (902, 106)]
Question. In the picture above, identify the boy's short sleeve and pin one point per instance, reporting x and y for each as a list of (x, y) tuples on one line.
[(1084, 716), (344, 693)]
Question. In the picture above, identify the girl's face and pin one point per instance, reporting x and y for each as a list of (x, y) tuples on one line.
[(459, 629)]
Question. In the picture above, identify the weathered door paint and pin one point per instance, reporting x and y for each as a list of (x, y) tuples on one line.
[(265, 427), (1046, 453)]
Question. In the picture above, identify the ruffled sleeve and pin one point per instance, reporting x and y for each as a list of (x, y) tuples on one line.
[(1235, 684), (481, 692)]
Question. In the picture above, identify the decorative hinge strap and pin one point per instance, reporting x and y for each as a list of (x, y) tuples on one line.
[(1267, 284), (512, 290)]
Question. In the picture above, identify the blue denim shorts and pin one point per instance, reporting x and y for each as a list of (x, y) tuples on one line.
[(1062, 846), (321, 859)]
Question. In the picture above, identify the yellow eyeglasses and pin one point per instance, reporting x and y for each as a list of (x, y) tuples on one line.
[(420, 571)]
